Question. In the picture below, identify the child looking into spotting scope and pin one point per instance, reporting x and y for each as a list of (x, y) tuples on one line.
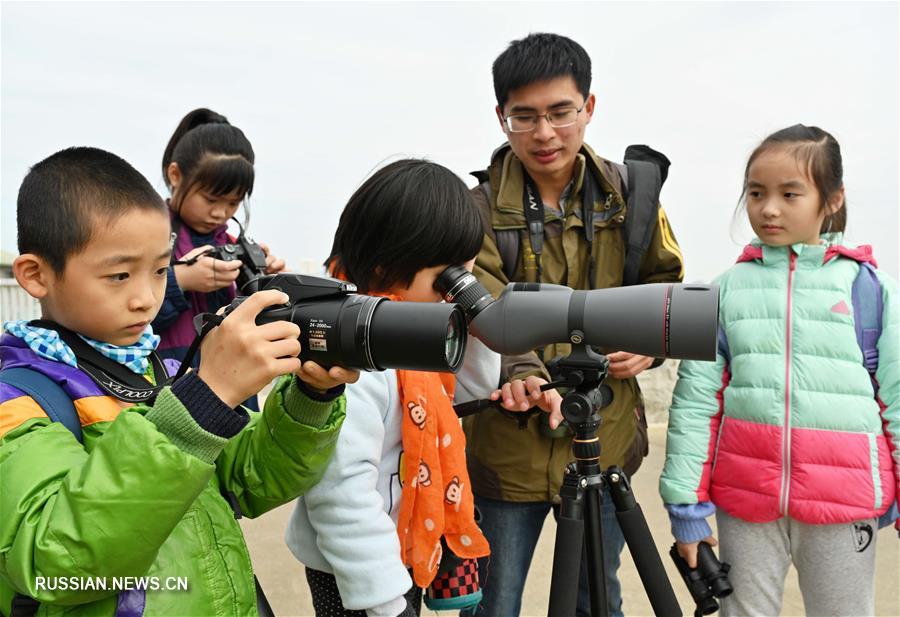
[(109, 469), (791, 437), (208, 168), (395, 506)]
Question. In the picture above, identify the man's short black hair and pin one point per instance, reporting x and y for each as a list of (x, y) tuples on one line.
[(66, 195), (409, 215), (539, 57)]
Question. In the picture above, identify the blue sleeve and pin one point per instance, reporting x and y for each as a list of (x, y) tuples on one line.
[(890, 515), (173, 305), (689, 521)]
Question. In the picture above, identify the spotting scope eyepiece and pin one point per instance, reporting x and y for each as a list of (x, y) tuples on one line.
[(658, 320)]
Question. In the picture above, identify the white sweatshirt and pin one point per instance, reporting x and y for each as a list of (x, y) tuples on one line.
[(346, 524)]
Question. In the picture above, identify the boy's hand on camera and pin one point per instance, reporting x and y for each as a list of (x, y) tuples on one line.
[(318, 378), (238, 358), (623, 365), (689, 551), (274, 265), (522, 395), (206, 274)]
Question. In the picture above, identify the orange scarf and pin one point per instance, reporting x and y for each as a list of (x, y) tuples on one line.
[(437, 496), (436, 499)]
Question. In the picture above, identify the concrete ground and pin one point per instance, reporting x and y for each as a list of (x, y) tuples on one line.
[(285, 584)]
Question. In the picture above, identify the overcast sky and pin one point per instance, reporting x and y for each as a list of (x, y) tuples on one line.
[(327, 92)]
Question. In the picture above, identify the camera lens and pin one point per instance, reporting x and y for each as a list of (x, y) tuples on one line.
[(339, 327), (423, 336), (458, 285)]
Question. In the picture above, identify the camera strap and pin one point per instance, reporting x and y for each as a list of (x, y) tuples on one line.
[(534, 217), (203, 324), (113, 378), (176, 229), (533, 208), (588, 186)]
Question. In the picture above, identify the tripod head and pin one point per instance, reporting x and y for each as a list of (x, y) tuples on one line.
[(584, 371)]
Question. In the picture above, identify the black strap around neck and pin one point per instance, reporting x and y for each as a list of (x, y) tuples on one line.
[(113, 378), (533, 205)]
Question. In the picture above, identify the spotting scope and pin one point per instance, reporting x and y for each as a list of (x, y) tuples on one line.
[(660, 320)]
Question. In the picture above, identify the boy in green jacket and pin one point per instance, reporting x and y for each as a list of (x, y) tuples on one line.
[(132, 520)]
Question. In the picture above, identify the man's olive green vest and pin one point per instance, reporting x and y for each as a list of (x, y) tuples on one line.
[(513, 464)]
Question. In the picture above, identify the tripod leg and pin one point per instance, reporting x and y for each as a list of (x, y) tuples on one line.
[(568, 548), (594, 539), (640, 544)]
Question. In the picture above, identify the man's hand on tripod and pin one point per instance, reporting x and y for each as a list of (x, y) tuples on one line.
[(522, 395), (688, 551), (623, 364)]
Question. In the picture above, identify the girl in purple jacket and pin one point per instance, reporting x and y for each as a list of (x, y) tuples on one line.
[(208, 168)]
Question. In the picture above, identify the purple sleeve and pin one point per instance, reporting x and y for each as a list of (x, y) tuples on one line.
[(689, 520)]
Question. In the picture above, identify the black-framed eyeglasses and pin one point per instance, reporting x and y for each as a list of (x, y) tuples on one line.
[(558, 118)]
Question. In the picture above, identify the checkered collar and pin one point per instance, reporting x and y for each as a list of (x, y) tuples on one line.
[(48, 344)]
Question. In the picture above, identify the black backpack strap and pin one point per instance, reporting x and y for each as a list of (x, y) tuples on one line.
[(23, 606), (646, 171), (508, 241), (509, 244)]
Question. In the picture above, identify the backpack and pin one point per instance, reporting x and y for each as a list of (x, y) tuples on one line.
[(643, 173), (60, 408)]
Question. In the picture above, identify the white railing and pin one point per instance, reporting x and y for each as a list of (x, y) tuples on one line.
[(15, 303)]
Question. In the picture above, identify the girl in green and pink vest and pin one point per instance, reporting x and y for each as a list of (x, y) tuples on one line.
[(787, 437), (208, 168)]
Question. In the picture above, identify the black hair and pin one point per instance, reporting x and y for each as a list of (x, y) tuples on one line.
[(64, 197), (819, 153), (211, 154), (539, 57), (409, 215)]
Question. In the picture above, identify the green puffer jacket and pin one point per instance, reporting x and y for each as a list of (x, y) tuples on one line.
[(509, 464), (132, 502)]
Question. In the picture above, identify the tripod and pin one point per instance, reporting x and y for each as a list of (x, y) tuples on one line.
[(579, 526)]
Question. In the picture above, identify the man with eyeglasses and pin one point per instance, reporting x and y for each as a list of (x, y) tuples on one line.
[(532, 199)]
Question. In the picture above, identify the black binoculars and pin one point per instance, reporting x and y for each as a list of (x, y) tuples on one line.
[(706, 582)]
